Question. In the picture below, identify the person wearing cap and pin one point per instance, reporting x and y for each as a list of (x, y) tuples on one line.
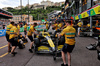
[(69, 33), (7, 35)]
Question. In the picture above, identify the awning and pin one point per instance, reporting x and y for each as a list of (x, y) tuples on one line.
[(91, 12)]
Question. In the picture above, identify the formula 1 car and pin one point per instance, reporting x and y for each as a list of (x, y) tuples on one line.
[(44, 43)]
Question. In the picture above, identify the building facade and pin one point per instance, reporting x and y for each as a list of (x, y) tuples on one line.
[(17, 18), (87, 11), (58, 3), (47, 3)]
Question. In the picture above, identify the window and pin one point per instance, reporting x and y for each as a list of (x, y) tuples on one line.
[(89, 4)]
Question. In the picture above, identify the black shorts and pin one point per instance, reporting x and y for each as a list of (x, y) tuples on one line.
[(34, 35), (7, 37), (31, 38), (25, 32), (68, 48), (13, 42)]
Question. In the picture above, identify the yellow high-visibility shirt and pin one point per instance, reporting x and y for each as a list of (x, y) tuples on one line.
[(8, 29), (31, 30), (56, 26), (18, 29), (88, 25), (13, 32), (30, 25), (46, 26), (60, 25), (69, 33), (80, 24), (25, 27)]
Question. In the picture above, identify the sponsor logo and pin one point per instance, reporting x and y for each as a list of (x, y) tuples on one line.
[(2, 32)]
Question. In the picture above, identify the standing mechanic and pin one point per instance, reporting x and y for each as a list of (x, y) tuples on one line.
[(69, 45), (55, 26), (8, 33), (18, 28), (13, 40), (79, 27), (30, 32)]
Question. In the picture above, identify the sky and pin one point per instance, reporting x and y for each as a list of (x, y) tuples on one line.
[(15, 3)]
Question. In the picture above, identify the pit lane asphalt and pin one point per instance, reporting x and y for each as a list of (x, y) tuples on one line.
[(80, 55)]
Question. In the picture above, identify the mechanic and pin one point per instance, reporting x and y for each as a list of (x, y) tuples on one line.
[(69, 45), (79, 27), (30, 32), (30, 25), (18, 28), (25, 30), (7, 35), (46, 24), (13, 40), (60, 25), (88, 25), (55, 27)]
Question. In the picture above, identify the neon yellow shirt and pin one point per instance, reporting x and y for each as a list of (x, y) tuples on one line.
[(25, 27), (80, 24), (18, 29), (13, 32), (31, 30), (8, 29), (69, 33), (60, 25), (88, 25), (46, 26), (56, 26)]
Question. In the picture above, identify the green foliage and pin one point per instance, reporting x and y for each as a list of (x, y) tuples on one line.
[(36, 12)]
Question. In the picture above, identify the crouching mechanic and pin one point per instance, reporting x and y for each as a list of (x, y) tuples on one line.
[(12, 37), (69, 33), (30, 32)]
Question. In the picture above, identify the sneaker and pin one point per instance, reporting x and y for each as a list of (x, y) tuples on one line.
[(31, 50), (32, 47), (14, 53), (64, 65)]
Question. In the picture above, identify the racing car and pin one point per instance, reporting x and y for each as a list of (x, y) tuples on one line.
[(44, 43)]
